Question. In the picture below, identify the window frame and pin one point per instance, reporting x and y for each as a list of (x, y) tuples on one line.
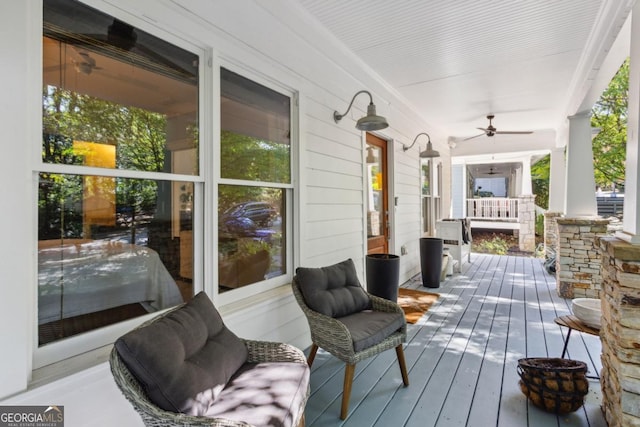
[(247, 292), (98, 338)]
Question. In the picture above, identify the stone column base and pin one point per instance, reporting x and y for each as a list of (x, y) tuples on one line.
[(551, 233), (578, 259), (620, 332)]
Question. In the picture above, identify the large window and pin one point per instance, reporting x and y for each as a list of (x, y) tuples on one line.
[(255, 183), (119, 172)]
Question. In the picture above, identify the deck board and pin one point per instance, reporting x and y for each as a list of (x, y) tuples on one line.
[(462, 356)]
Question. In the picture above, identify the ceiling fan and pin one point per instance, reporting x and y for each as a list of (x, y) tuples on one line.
[(84, 63), (492, 171), (491, 130), (121, 41)]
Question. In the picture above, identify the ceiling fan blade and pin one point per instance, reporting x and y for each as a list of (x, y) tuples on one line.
[(483, 130), (505, 132), (475, 136)]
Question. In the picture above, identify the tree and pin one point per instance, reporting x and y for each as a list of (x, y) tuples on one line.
[(609, 114), (540, 181), (610, 145), (139, 137)]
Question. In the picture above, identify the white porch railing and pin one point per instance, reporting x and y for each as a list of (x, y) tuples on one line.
[(493, 208)]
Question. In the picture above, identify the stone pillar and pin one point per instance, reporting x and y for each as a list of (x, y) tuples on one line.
[(527, 219), (620, 332), (550, 233), (578, 258)]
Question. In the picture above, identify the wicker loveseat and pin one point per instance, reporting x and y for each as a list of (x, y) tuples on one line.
[(229, 381)]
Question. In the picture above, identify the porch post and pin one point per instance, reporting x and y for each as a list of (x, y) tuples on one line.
[(526, 188), (557, 173), (580, 200), (631, 220)]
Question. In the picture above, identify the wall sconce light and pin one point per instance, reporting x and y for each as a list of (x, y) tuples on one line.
[(369, 122), (429, 153)]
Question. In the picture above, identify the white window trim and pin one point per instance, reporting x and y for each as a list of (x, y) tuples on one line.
[(57, 352), (254, 290)]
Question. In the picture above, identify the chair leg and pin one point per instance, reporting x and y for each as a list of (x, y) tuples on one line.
[(346, 391), (403, 365), (312, 354)]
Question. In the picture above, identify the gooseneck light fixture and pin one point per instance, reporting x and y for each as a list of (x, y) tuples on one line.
[(429, 153), (369, 122)]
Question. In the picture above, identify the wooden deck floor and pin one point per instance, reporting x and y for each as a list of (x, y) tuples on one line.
[(462, 357)]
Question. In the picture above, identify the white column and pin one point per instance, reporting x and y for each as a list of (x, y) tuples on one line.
[(526, 189), (631, 221), (580, 200), (557, 184)]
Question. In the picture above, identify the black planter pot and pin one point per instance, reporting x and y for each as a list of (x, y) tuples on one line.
[(431, 261), (383, 275)]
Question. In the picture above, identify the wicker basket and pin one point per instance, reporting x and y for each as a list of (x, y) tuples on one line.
[(553, 384)]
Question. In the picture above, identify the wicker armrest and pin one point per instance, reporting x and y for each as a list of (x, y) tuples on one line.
[(266, 351), (382, 304)]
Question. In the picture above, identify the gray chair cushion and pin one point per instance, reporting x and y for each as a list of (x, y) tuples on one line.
[(333, 291), (183, 355), (369, 328), (262, 394)]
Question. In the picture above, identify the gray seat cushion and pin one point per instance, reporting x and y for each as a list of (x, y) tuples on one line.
[(262, 394), (369, 328), (184, 355), (334, 290)]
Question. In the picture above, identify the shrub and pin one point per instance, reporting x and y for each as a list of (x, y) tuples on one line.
[(496, 245)]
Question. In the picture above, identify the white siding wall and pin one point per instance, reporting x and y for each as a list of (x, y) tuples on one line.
[(269, 38)]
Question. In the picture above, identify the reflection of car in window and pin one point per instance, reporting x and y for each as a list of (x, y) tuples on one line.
[(245, 218)]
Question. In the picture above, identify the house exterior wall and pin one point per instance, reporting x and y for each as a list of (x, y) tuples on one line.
[(329, 213)]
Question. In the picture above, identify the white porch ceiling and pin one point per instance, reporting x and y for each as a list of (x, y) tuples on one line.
[(531, 63)]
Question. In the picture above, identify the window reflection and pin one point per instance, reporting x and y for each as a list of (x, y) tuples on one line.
[(105, 252), (108, 83), (256, 137), (114, 97), (251, 235), (375, 194)]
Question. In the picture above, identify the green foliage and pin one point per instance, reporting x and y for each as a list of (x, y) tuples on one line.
[(609, 114), (139, 137), (610, 145), (540, 181), (496, 245), (539, 225), (247, 158), (254, 159)]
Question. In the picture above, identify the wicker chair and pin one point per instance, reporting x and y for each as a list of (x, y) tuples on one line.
[(152, 415), (333, 336)]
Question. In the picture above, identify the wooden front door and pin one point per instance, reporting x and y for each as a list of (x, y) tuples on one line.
[(377, 196)]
